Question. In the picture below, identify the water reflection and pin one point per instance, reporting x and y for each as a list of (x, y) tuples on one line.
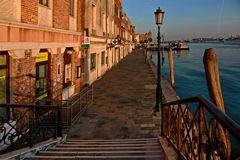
[(182, 54)]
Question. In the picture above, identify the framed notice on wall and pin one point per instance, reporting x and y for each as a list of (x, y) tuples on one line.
[(78, 71), (59, 69)]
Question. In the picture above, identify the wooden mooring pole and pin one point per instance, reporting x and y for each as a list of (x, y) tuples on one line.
[(171, 67), (214, 89), (163, 53), (212, 76)]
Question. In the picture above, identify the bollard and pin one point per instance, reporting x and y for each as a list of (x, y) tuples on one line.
[(171, 67), (214, 90)]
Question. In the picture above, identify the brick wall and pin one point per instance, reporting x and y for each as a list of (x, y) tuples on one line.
[(77, 61), (24, 92), (29, 11), (80, 15), (57, 79), (61, 14)]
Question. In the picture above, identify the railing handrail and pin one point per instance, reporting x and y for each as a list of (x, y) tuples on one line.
[(29, 106), (82, 92), (223, 118)]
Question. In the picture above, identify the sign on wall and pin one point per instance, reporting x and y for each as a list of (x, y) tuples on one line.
[(42, 56), (85, 42)]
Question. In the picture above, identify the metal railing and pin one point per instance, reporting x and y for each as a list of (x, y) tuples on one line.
[(73, 107), (34, 121), (194, 128), (25, 125)]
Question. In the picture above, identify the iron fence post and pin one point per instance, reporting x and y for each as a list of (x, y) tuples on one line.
[(59, 122), (55, 125), (30, 143), (162, 121)]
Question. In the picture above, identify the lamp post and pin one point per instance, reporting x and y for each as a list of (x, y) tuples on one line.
[(159, 20)]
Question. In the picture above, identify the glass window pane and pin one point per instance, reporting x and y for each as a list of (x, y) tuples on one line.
[(103, 58), (41, 81), (68, 73), (2, 59), (3, 87), (72, 7), (93, 61), (42, 71), (44, 2)]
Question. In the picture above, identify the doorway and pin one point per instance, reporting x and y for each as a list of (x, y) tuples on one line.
[(42, 76)]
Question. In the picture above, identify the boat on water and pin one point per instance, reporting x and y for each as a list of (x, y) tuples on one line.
[(179, 46), (173, 46)]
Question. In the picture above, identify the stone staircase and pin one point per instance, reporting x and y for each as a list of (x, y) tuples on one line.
[(145, 148)]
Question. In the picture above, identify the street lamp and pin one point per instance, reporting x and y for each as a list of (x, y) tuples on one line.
[(159, 14)]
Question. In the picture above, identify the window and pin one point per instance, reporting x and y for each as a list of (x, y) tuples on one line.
[(41, 83), (71, 8), (103, 58), (2, 60), (3, 80), (108, 25), (93, 61), (44, 2), (68, 73), (94, 17), (67, 78), (41, 80), (104, 22), (116, 10), (112, 27), (107, 59), (79, 70)]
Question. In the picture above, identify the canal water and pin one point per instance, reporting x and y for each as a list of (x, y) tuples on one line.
[(190, 76)]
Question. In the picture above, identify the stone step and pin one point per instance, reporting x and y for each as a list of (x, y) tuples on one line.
[(99, 153), (106, 145), (110, 142), (147, 148), (104, 148), (114, 140), (136, 157), (96, 143)]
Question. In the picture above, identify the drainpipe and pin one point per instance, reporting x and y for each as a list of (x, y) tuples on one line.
[(86, 79), (107, 18)]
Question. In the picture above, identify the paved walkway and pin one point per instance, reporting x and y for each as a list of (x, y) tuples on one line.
[(123, 102)]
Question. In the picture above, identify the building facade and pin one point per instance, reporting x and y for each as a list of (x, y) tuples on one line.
[(127, 34), (41, 44), (40, 54), (103, 27), (144, 38)]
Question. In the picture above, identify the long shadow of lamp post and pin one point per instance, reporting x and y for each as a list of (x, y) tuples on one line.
[(159, 14)]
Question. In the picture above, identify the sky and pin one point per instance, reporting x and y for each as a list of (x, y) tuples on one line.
[(186, 19)]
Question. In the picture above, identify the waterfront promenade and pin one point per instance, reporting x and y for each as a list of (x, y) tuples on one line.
[(122, 105)]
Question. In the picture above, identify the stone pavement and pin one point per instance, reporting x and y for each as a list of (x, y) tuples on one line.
[(123, 102)]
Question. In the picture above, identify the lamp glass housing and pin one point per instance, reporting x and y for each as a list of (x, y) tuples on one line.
[(159, 14)]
